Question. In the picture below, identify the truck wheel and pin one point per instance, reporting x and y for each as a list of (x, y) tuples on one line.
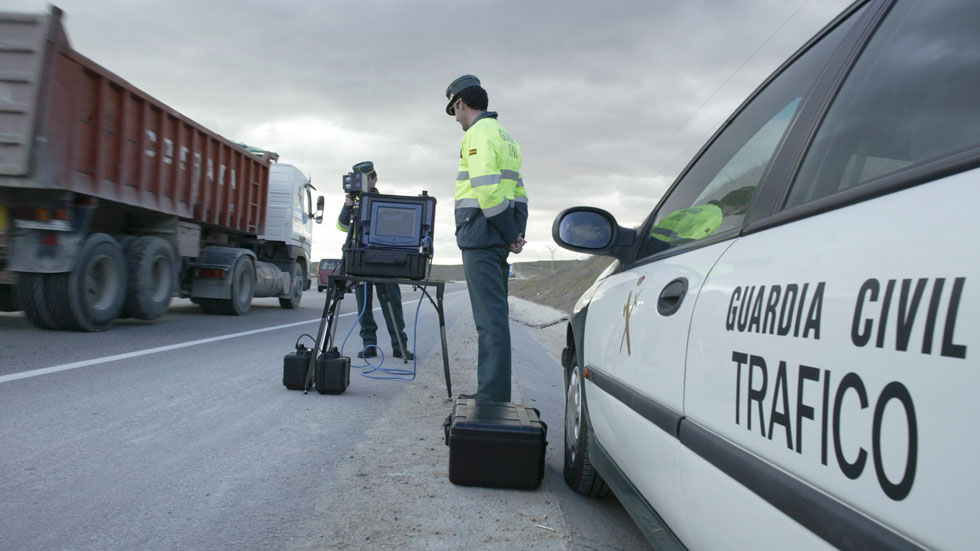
[(96, 287), (580, 475), (242, 288), (30, 294), (296, 296), (151, 269), (8, 299)]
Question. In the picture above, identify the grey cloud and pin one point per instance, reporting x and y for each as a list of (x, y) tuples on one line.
[(603, 96)]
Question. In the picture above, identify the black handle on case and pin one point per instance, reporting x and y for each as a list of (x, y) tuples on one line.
[(544, 426)]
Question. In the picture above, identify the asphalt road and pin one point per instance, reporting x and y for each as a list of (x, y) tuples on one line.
[(178, 434)]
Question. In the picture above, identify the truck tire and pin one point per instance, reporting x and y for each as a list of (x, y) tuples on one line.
[(95, 288), (151, 271), (242, 288), (296, 296), (579, 473), (30, 293)]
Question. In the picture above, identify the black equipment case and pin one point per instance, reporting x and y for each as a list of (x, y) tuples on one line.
[(384, 263), (375, 255), (294, 367), (332, 372), (495, 444)]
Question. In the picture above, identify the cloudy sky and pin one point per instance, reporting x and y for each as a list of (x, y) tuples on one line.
[(609, 99)]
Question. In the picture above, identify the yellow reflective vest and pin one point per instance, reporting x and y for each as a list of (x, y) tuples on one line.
[(690, 223), (491, 202)]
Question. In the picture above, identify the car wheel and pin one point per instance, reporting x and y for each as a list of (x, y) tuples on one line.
[(580, 475)]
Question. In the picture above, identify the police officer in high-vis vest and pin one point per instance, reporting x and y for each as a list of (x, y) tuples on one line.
[(389, 293), (491, 220)]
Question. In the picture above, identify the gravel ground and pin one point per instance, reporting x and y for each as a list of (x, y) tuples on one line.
[(402, 497)]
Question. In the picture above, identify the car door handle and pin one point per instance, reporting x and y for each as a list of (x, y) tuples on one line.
[(672, 296)]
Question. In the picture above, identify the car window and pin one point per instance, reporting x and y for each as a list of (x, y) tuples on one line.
[(913, 96), (713, 196)]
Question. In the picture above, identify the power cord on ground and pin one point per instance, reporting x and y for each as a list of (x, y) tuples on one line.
[(390, 373)]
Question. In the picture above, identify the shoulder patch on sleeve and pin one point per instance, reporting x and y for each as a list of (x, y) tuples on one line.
[(472, 152)]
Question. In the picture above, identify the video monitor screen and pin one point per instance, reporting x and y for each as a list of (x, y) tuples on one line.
[(396, 222), (391, 220)]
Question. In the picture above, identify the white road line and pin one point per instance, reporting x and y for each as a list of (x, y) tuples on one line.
[(138, 353)]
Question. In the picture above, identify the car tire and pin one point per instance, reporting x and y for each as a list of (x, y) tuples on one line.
[(296, 296), (151, 267), (580, 474)]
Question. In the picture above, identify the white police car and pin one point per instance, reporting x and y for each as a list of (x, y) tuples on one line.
[(784, 355)]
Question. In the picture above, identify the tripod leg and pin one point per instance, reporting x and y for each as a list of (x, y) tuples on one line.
[(398, 339), (319, 339), (445, 348), (332, 326), (335, 294)]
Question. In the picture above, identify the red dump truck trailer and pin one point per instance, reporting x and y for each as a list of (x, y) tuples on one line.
[(112, 202)]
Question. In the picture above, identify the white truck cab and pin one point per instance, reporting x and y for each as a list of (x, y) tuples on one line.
[(784, 355), (290, 203)]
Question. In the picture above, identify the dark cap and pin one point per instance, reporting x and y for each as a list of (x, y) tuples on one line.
[(457, 86), (366, 167)]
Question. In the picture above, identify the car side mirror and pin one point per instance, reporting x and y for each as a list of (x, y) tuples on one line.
[(319, 210), (593, 231)]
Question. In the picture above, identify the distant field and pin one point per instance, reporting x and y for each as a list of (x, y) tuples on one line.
[(557, 284)]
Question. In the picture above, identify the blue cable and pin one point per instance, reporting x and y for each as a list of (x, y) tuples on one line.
[(393, 374), (400, 374)]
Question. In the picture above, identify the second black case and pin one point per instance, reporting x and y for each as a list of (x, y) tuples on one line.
[(332, 372), (495, 444)]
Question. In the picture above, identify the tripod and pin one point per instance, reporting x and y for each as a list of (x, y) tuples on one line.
[(339, 285)]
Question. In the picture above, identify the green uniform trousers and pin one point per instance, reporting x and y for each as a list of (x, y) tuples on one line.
[(388, 293), (486, 279)]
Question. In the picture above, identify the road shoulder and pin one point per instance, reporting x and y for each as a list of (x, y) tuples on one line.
[(394, 490)]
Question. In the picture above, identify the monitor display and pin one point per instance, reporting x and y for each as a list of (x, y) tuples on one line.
[(394, 224), (397, 220)]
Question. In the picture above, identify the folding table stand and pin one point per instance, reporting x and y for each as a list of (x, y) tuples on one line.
[(337, 286)]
